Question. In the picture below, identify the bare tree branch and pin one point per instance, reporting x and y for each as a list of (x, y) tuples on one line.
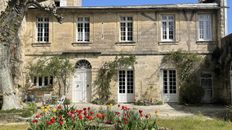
[(51, 9)]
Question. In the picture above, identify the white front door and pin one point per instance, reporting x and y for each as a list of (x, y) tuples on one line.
[(170, 93), (207, 85), (125, 86), (82, 85)]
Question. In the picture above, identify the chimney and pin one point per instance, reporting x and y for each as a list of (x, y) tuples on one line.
[(78, 2)]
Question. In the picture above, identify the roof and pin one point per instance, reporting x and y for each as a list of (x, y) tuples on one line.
[(138, 7)]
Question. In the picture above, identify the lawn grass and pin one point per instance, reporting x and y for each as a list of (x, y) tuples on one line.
[(194, 123), (14, 127)]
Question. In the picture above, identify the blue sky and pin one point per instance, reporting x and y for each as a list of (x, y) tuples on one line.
[(144, 2)]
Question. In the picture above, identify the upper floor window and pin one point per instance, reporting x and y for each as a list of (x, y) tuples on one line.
[(168, 28), (126, 29), (83, 29), (204, 27), (42, 29)]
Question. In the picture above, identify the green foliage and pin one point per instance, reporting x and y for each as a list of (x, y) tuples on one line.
[(58, 66), (191, 93), (148, 103), (106, 73), (67, 101), (187, 65)]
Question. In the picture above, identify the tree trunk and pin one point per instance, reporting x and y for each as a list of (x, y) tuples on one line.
[(10, 22), (10, 99)]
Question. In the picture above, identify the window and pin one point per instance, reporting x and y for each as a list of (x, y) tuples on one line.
[(126, 29), (57, 3), (42, 81), (204, 27), (126, 81), (42, 29), (168, 28), (169, 81), (207, 83), (83, 29)]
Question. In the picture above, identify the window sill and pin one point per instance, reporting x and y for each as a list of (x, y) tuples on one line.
[(41, 44), (81, 43), (168, 43), (205, 42), (130, 43)]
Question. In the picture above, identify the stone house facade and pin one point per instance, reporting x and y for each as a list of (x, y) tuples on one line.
[(91, 36)]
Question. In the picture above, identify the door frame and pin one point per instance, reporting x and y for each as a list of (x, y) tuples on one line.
[(85, 89), (129, 69), (162, 85), (83, 66)]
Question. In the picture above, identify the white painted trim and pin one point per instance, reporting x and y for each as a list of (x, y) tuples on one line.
[(174, 28), (204, 32), (126, 27), (63, 3)]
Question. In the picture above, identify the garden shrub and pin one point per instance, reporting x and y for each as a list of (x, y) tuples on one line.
[(191, 93), (67, 101)]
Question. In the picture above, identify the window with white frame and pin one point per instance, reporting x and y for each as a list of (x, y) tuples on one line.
[(83, 29), (40, 81), (126, 29), (126, 81), (169, 81), (42, 29), (204, 27), (168, 28)]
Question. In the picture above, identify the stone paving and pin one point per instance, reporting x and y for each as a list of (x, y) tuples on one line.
[(170, 110)]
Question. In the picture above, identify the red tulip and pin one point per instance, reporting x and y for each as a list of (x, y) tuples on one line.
[(118, 105), (140, 111), (37, 116), (80, 117), (35, 121), (84, 109), (61, 122), (100, 116), (88, 108), (48, 122), (91, 113), (53, 119), (89, 117)]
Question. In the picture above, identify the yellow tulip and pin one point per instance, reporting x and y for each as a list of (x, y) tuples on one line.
[(48, 107), (54, 110), (46, 110), (42, 107)]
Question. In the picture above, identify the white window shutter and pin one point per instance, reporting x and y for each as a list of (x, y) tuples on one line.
[(63, 3)]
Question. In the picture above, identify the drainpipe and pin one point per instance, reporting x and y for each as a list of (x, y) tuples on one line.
[(226, 17)]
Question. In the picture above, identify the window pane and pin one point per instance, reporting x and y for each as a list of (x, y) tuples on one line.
[(130, 82), (40, 81), (45, 81), (83, 29), (122, 81)]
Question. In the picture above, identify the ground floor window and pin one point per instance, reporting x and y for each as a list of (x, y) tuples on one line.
[(40, 81), (207, 85), (169, 81), (126, 81)]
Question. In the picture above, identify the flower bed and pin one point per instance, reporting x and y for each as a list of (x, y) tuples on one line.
[(69, 118)]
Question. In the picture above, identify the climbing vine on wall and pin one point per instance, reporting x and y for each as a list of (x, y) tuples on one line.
[(187, 65), (106, 74)]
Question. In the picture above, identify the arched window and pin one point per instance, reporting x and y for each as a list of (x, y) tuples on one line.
[(83, 64)]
